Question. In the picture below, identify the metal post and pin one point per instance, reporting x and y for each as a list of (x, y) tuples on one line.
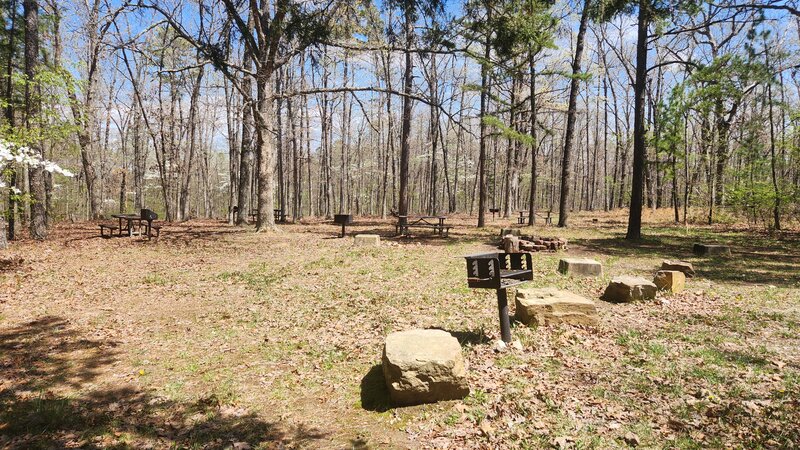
[(505, 322), (342, 230)]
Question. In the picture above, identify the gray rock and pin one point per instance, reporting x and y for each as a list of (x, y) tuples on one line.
[(424, 366), (680, 266), (711, 250), (580, 266), (368, 240), (549, 306), (627, 288)]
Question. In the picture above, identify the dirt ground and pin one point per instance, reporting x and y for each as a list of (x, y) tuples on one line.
[(214, 336)]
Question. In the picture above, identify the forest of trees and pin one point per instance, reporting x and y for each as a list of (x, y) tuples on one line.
[(408, 106)]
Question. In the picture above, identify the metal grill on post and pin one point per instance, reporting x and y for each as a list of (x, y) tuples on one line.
[(499, 271), (343, 220)]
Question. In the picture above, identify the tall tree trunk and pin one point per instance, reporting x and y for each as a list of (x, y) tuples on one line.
[(266, 150), (187, 164), (639, 144), (38, 225), (534, 142), (248, 151), (481, 179), (566, 165), (9, 113), (405, 132)]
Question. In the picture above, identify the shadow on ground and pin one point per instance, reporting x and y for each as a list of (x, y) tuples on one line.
[(51, 397), (759, 259), (374, 394)]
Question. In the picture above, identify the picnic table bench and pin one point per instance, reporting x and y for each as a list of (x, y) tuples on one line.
[(438, 227), (522, 219)]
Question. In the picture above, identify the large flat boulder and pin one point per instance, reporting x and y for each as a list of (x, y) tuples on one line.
[(625, 288), (423, 366), (547, 306), (670, 280), (584, 267), (711, 250), (681, 266), (373, 240)]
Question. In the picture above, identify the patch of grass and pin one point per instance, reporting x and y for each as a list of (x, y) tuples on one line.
[(709, 374), (155, 279)]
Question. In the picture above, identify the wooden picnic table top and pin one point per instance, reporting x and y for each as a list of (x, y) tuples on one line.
[(423, 217), (126, 216)]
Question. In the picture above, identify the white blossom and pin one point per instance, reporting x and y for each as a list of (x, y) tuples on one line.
[(10, 153)]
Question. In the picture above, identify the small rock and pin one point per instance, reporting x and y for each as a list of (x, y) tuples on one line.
[(631, 439), (499, 346), (517, 345)]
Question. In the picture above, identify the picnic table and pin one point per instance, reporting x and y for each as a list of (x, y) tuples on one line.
[(522, 219), (406, 222), (133, 224), (129, 223)]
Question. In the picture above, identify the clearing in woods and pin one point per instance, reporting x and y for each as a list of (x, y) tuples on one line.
[(214, 336)]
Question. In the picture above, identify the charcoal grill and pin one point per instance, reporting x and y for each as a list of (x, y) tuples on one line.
[(343, 220)]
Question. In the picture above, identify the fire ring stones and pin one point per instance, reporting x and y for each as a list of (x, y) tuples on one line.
[(423, 366)]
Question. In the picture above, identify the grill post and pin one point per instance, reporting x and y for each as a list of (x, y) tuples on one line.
[(505, 322)]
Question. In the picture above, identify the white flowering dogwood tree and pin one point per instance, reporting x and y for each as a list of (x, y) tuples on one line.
[(17, 155)]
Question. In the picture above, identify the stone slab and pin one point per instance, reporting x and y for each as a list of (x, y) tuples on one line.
[(711, 250), (625, 288), (548, 306), (681, 266), (367, 239), (580, 267)]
